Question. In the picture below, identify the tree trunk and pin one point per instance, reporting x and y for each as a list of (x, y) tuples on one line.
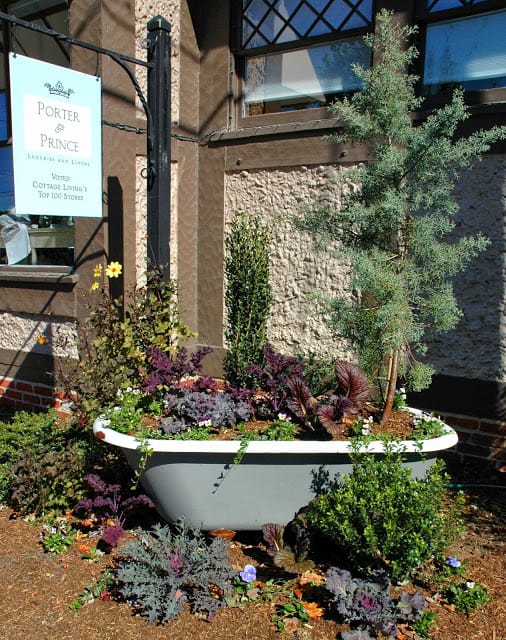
[(391, 385)]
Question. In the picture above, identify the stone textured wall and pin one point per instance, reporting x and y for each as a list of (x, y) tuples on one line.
[(297, 270), (476, 349), (36, 334), (144, 11), (170, 10)]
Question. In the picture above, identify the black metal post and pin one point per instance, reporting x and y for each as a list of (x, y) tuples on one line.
[(158, 151)]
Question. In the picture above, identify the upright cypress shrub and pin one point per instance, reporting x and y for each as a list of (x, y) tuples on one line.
[(248, 296), (396, 227)]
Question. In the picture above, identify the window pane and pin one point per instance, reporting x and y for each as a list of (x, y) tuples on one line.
[(470, 52), (303, 78), (24, 239), (279, 21), (6, 179), (441, 5), (4, 131)]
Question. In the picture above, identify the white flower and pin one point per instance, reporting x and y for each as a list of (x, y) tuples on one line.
[(283, 416), (366, 425), (470, 584)]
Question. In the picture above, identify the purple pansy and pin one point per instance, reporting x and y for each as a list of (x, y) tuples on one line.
[(249, 573), (452, 561)]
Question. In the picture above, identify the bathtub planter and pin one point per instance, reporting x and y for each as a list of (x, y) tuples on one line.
[(198, 480)]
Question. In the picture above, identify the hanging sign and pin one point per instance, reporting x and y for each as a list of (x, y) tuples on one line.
[(56, 139)]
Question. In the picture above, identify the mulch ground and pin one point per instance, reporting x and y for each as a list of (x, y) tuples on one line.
[(37, 589)]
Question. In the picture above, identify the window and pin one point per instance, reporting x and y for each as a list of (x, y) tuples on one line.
[(298, 54), (467, 50), (42, 240)]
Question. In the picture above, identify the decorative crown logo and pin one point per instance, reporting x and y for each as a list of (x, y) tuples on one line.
[(59, 90)]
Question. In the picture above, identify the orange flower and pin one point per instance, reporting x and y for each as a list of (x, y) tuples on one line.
[(83, 548), (42, 339), (313, 610), (311, 576)]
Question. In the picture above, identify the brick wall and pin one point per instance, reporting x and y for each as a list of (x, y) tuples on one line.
[(481, 440), (22, 394)]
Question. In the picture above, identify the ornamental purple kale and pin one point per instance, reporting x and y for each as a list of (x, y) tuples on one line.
[(170, 566), (189, 408), (110, 504), (368, 604)]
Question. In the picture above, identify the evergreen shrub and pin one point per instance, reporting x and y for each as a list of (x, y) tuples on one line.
[(381, 517), (248, 297)]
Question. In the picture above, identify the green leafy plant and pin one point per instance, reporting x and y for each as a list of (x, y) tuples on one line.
[(319, 373), (379, 516), (466, 596), (47, 481), (167, 568), (427, 426), (424, 623), (395, 226), (116, 336), (455, 588), (26, 432), (248, 296), (43, 458), (286, 596), (294, 609), (100, 589), (57, 535), (280, 429)]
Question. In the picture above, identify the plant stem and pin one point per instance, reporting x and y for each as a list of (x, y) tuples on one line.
[(393, 367)]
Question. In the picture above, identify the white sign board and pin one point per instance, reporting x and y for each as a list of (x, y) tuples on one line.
[(56, 139)]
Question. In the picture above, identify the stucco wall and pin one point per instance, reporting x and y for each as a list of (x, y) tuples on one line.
[(476, 349), (170, 10), (38, 334), (297, 270), (144, 12)]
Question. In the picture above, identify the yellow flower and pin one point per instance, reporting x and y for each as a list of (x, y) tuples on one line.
[(94, 286), (42, 339), (97, 271), (113, 270)]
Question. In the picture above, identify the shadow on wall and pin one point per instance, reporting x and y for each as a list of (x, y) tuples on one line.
[(470, 361), (27, 382)]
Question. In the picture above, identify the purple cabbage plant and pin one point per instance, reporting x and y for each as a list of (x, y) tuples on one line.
[(166, 371), (109, 504), (368, 606), (283, 389), (188, 408), (272, 379)]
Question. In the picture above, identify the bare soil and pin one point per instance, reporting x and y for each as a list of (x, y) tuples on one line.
[(37, 588)]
